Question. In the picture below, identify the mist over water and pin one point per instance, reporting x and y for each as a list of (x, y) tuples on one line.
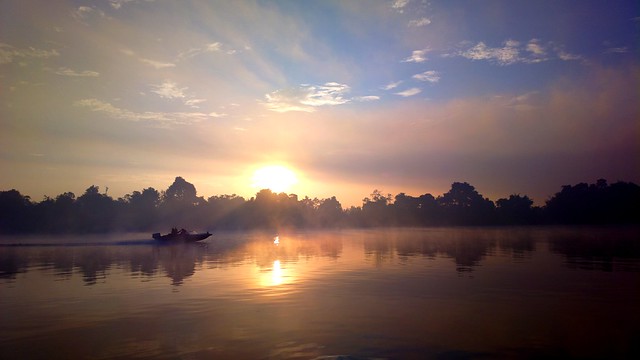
[(438, 293)]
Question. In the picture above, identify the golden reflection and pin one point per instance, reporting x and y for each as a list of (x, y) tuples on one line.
[(276, 273), (283, 262)]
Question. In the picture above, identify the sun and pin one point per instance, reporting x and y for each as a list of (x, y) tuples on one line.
[(275, 178)]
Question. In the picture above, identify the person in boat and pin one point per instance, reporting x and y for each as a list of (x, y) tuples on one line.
[(174, 231)]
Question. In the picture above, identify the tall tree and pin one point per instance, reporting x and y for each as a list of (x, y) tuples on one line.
[(463, 205)]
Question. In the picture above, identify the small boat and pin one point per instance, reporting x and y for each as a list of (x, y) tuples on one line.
[(181, 236)]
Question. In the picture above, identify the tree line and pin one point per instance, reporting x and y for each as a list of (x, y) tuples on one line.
[(179, 206)]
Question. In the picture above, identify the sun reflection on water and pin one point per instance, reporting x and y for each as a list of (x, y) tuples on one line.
[(276, 273)]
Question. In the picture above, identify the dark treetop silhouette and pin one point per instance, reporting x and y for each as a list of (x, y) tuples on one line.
[(179, 205)]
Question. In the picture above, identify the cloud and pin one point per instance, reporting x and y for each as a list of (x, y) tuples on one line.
[(307, 97), (163, 118), (194, 102), (117, 4), (85, 13), (617, 50), (153, 63), (524, 102), (208, 48), (563, 55), (169, 90), (366, 98), (431, 76), (512, 52), (417, 56), (506, 55), (409, 92), (217, 115), (419, 22), (399, 5), (392, 85), (536, 51), (156, 64), (8, 53), (285, 101), (68, 72), (328, 94)]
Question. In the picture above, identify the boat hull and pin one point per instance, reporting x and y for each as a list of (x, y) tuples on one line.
[(181, 237)]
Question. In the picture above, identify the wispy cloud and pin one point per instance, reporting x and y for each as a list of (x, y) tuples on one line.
[(566, 56), (208, 48), (367, 98), (84, 13), (117, 4), (169, 90), (392, 85), (153, 63), (157, 64), (506, 55), (68, 72), (417, 56), (194, 102), (536, 51), (524, 102), (409, 92), (419, 22), (399, 5), (8, 53), (431, 76), (513, 52), (307, 97), (163, 118), (617, 50), (328, 94)]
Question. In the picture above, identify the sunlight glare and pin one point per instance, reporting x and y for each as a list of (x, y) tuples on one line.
[(276, 275), (275, 178)]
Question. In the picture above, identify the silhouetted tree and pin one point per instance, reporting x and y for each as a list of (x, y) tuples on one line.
[(463, 205), (96, 212), (15, 212), (142, 209), (58, 215), (407, 210), (181, 192), (376, 210), (224, 211), (597, 203), (178, 205), (516, 210), (329, 212)]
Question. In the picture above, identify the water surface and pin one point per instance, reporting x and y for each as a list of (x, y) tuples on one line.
[(441, 293)]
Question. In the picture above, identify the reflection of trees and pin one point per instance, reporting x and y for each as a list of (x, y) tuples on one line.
[(518, 242), (466, 246), (176, 261), (12, 262), (598, 249), (179, 260), (378, 246)]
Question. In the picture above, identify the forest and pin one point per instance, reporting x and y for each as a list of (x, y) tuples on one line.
[(180, 206)]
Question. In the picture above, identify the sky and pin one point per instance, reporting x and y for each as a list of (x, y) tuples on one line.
[(513, 97)]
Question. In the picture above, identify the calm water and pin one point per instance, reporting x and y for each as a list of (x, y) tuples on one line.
[(383, 294)]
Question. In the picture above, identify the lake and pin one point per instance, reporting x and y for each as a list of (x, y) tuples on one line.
[(435, 293)]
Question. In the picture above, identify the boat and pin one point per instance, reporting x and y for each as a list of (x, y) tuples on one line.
[(181, 236)]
